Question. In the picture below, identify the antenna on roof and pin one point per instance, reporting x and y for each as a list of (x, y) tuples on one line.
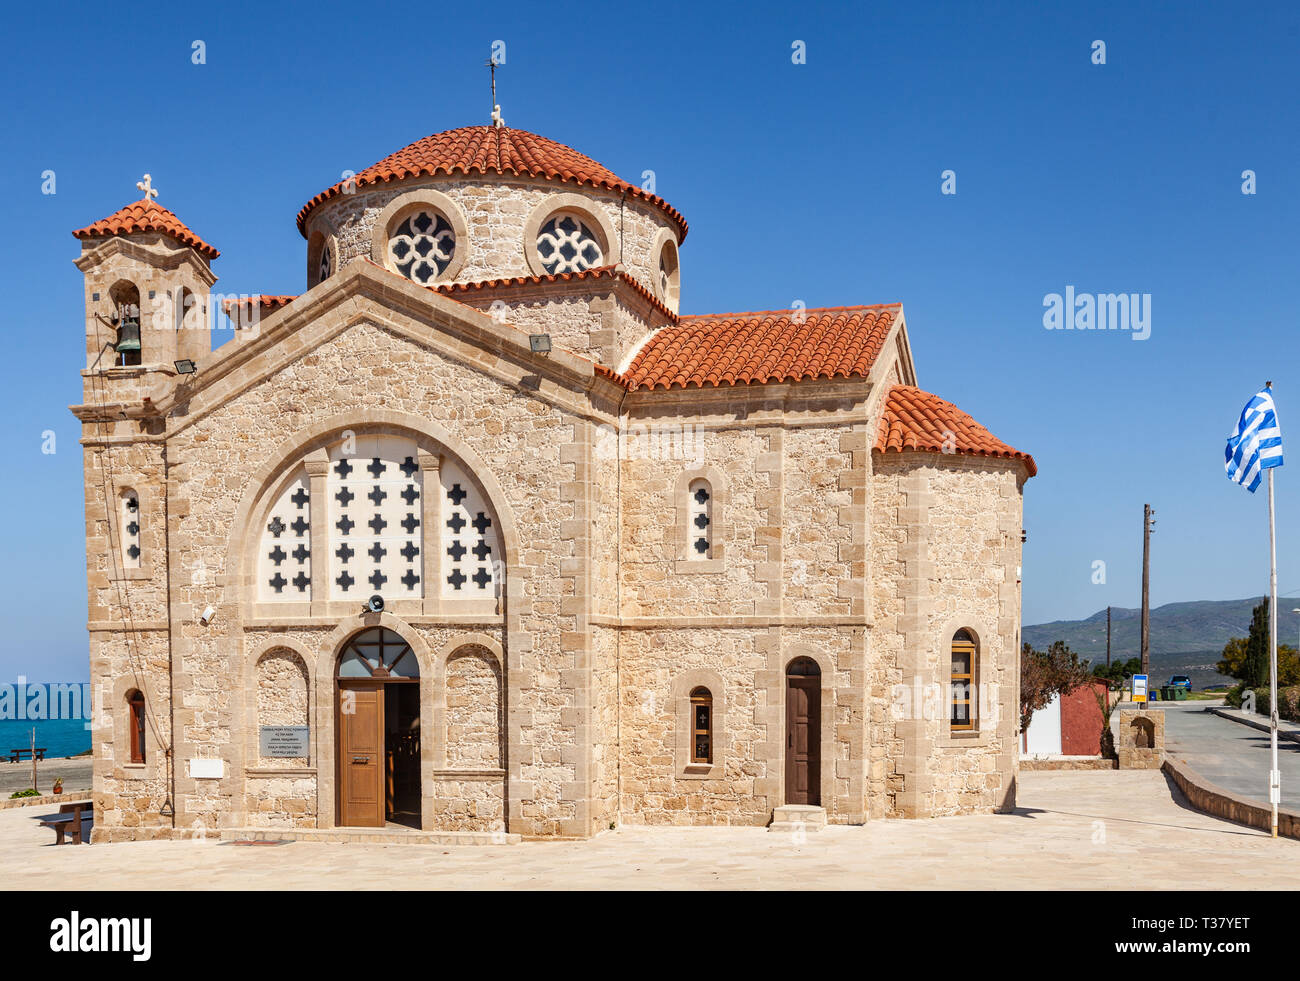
[(491, 64)]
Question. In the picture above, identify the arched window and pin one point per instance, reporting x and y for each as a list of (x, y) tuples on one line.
[(284, 558), (379, 653), (962, 682), (421, 245), (135, 723), (700, 512), (701, 726), (566, 243), (129, 528), (126, 316), (669, 281)]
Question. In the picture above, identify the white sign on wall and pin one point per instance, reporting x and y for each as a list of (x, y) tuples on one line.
[(207, 769)]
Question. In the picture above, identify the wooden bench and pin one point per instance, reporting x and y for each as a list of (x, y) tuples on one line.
[(17, 754), (71, 818)]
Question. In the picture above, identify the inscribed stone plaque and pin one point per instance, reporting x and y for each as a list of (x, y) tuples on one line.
[(284, 742)]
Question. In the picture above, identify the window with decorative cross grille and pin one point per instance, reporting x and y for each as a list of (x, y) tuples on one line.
[(700, 512), (421, 246), (470, 552), (376, 518), (129, 524), (701, 726), (567, 244), (326, 263), (284, 558)]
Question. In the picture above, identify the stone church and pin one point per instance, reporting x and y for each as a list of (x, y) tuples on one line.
[(480, 535)]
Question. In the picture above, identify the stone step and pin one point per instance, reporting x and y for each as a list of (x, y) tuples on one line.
[(798, 817), (374, 836)]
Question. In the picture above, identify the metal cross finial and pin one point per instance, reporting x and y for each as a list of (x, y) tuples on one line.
[(497, 121), (146, 185)]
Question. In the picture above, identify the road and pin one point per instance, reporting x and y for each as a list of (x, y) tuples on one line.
[(1227, 753)]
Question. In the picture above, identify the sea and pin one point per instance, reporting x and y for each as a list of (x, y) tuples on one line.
[(60, 737)]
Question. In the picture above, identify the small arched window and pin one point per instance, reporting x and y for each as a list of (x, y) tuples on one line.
[(962, 681), (701, 726), (421, 245), (566, 243), (700, 513), (129, 525), (135, 723), (126, 317)]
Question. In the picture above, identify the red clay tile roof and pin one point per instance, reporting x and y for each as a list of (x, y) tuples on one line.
[(596, 272), (264, 301), (764, 346), (493, 150), (916, 420), (147, 216)]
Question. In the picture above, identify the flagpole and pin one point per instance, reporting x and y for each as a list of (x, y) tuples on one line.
[(1274, 777)]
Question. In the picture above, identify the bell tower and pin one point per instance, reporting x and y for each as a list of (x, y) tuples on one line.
[(148, 280)]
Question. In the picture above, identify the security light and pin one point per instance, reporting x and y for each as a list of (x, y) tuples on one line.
[(186, 367), (540, 343)]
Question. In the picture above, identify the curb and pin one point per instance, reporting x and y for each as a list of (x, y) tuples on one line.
[(1217, 802), (44, 799), (1261, 726)]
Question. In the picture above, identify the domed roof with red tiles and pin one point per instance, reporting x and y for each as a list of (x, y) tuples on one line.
[(146, 215), (493, 150), (763, 346), (915, 420)]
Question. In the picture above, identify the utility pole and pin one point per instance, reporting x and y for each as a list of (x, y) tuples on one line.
[(1148, 522), (1108, 637)]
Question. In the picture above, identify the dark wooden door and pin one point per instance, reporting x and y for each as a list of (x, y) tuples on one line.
[(803, 765), (361, 757)]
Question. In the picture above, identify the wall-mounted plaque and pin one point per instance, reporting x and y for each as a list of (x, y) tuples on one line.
[(284, 742)]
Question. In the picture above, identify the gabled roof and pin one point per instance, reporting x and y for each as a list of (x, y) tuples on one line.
[(147, 216), (492, 150), (763, 346), (914, 420)]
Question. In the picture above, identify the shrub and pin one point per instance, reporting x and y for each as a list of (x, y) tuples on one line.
[(29, 792), (1232, 698)]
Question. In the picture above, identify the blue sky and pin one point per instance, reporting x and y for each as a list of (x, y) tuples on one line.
[(817, 182)]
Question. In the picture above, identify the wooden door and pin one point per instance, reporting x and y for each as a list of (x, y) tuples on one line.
[(361, 758), (803, 765)]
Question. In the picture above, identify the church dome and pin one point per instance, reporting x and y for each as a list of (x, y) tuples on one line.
[(473, 150)]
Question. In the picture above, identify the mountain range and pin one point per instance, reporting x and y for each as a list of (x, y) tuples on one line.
[(1186, 638)]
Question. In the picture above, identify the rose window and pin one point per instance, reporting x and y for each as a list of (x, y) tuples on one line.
[(421, 246), (565, 244)]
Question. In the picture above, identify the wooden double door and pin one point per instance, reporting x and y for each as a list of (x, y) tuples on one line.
[(803, 726)]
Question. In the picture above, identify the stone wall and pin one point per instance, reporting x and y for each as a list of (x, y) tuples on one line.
[(945, 557), (495, 210)]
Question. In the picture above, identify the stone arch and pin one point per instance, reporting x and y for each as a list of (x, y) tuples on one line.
[(268, 480), (473, 718), (281, 696), (581, 206), (325, 745), (409, 202), (987, 702)]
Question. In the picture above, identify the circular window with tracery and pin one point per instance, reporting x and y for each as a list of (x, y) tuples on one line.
[(566, 244), (421, 246)]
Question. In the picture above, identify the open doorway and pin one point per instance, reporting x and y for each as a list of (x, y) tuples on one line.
[(378, 716)]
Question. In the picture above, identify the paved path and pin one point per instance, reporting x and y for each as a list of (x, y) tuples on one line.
[(1230, 754), (1081, 830), (18, 776)]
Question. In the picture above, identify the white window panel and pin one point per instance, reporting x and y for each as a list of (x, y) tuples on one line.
[(376, 537), (468, 537), (284, 555)]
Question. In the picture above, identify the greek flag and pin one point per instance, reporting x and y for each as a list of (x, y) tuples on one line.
[(1257, 443)]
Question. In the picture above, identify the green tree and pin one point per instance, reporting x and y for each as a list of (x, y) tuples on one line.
[(1254, 665)]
